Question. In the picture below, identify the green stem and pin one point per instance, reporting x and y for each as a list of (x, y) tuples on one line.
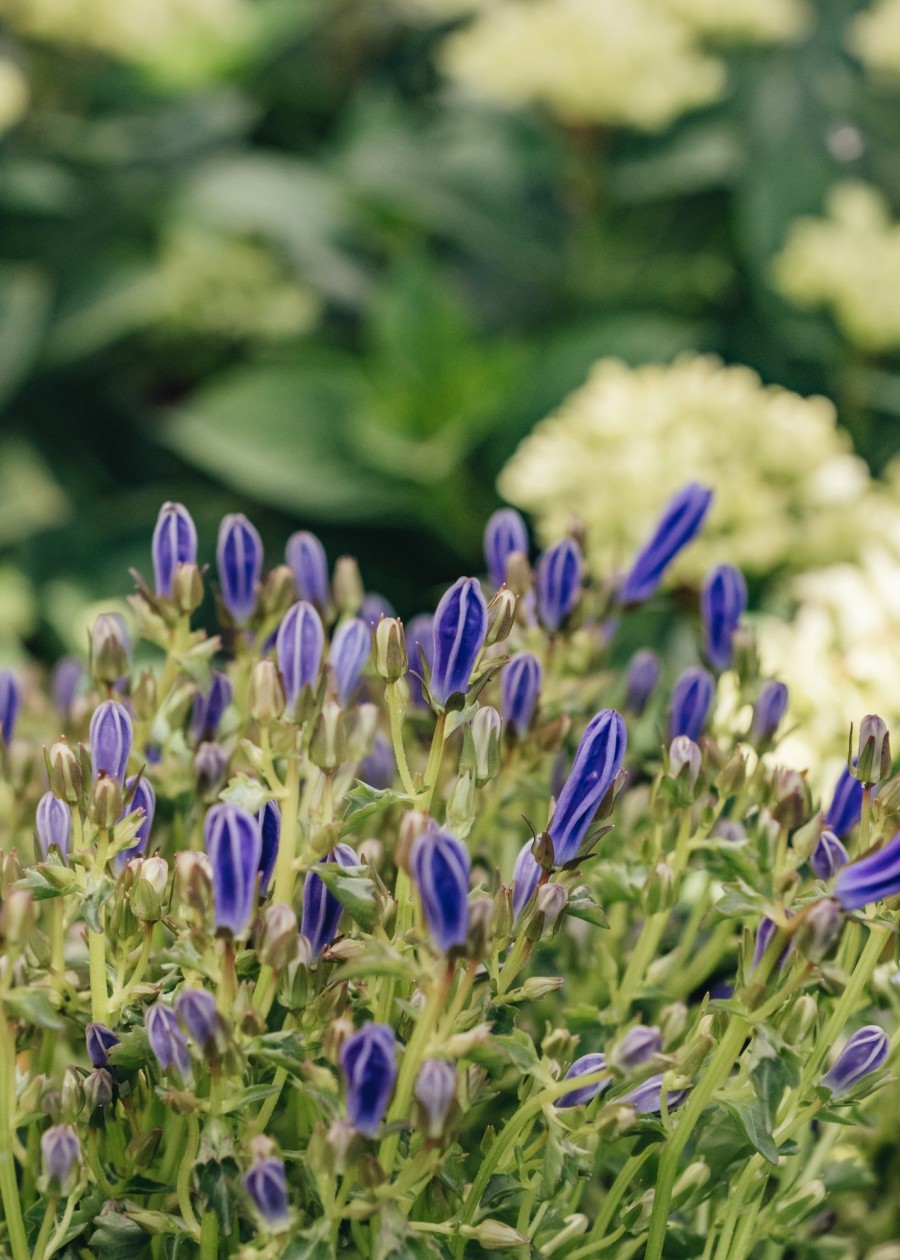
[(9, 1188), (395, 711), (433, 768), (209, 1236), (626, 1175), (185, 1172), (283, 890), (40, 1246)]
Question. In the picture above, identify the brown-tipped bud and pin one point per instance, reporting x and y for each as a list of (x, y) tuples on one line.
[(71, 1097), (550, 902), (519, 576), (187, 589), (265, 699), (17, 918), (552, 735), (874, 763), (792, 798), (110, 648), (193, 885), (65, 770), (279, 591), (106, 802), (336, 1034), (279, 940), (99, 1092), (501, 616), (328, 746), (391, 660), (659, 890), (144, 696), (478, 935), (462, 1044), (148, 894), (347, 586), (821, 927), (412, 825)]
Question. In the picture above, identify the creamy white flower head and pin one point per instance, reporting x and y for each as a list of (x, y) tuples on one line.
[(875, 38), (849, 264), (744, 21), (587, 61), (784, 475), (14, 94)]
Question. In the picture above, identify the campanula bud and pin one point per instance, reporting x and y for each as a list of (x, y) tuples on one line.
[(53, 825), (167, 1040), (193, 885), (143, 797), (549, 904), (148, 896), (413, 823), (279, 940), (439, 864), (60, 1156), (347, 586), (685, 760), (434, 1092), (828, 856), (300, 643), (420, 645), (18, 916), (526, 877), (635, 1049), (174, 544), (391, 661), (659, 891), (187, 589), (196, 1008), (640, 681), (692, 698), (65, 771), (100, 1091), (269, 819), (110, 646), (597, 762), (239, 557), (765, 934), (559, 573), (321, 909), (587, 1064), (845, 809), (504, 533), (10, 699), (266, 1184), (494, 1235), (111, 737), (106, 802), (68, 673), (460, 812), (801, 1020), (99, 1041), (520, 685), (210, 768), (350, 649), (874, 763), (647, 1097), (328, 746), (821, 927), (865, 1052), (770, 708), (501, 616), (279, 591), (478, 931), (871, 878), (374, 607), (723, 601), (485, 733), (679, 524), (234, 846), (209, 707), (266, 698), (307, 561), (368, 1061), (460, 626)]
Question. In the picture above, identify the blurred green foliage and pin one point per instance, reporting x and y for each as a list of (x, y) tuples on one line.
[(301, 275)]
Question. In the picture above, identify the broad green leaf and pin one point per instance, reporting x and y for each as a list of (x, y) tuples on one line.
[(354, 889), (750, 1119)]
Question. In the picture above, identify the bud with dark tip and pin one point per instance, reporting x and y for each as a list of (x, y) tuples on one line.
[(321, 909), (559, 574), (53, 825), (439, 864), (685, 760), (328, 746), (110, 646), (350, 649), (865, 1052), (692, 698), (167, 1040), (99, 1092), (61, 1156), (174, 544), (874, 763), (549, 904), (679, 524), (588, 1064), (485, 731), (300, 643), (106, 802), (501, 616), (723, 602), (828, 856), (770, 708), (434, 1092), (266, 698), (640, 681), (111, 737), (598, 760), (99, 1041), (460, 626), (234, 845), (368, 1061), (504, 533), (792, 798), (520, 687), (306, 557), (266, 1184)]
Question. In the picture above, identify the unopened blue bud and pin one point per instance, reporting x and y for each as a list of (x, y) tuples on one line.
[(321, 909), (692, 698), (419, 647), (269, 819), (439, 864), (679, 524), (239, 556), (266, 1184), (174, 543), (99, 1041), (167, 1040), (504, 533), (209, 707), (53, 824), (558, 583), (111, 737), (60, 1152), (374, 607), (640, 681), (865, 1052), (144, 798), (234, 846), (67, 676), (350, 649), (460, 626), (379, 768), (845, 809), (434, 1091), (10, 698), (300, 643), (828, 856), (520, 688), (765, 934), (647, 1097), (771, 706), (723, 602), (598, 760), (526, 877), (871, 878), (306, 559), (197, 1011), (638, 1046), (588, 1063), (369, 1064)]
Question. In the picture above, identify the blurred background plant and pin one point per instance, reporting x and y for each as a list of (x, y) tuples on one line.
[(329, 262)]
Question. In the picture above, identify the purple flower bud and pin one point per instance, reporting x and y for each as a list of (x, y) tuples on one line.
[(197, 1011), (692, 698), (99, 1041), (526, 877), (419, 647), (210, 767), (266, 1185), (871, 878), (174, 543), (10, 697), (350, 648), (369, 1064), (845, 809), (378, 769), (828, 856), (209, 708), (67, 675), (60, 1152), (300, 643), (374, 607), (307, 561), (679, 524), (460, 626), (865, 1052), (558, 582), (269, 819), (111, 737), (239, 556), (434, 1090), (167, 1040), (144, 798), (597, 762), (637, 1046), (581, 1067), (641, 679), (53, 824), (504, 533), (439, 864), (723, 602), (321, 909), (770, 708), (647, 1097), (765, 934), (234, 846), (520, 687)]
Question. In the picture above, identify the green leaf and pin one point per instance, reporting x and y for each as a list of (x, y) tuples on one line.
[(354, 889), (98, 890), (583, 906), (750, 1119), (34, 1006), (118, 1238), (246, 792), (365, 802), (311, 1244), (24, 307)]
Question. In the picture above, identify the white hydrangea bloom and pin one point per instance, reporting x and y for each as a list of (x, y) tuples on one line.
[(744, 21), (875, 38), (14, 94)]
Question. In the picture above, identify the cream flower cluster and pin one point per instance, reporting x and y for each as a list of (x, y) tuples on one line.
[(784, 476), (875, 38), (744, 21), (849, 264)]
